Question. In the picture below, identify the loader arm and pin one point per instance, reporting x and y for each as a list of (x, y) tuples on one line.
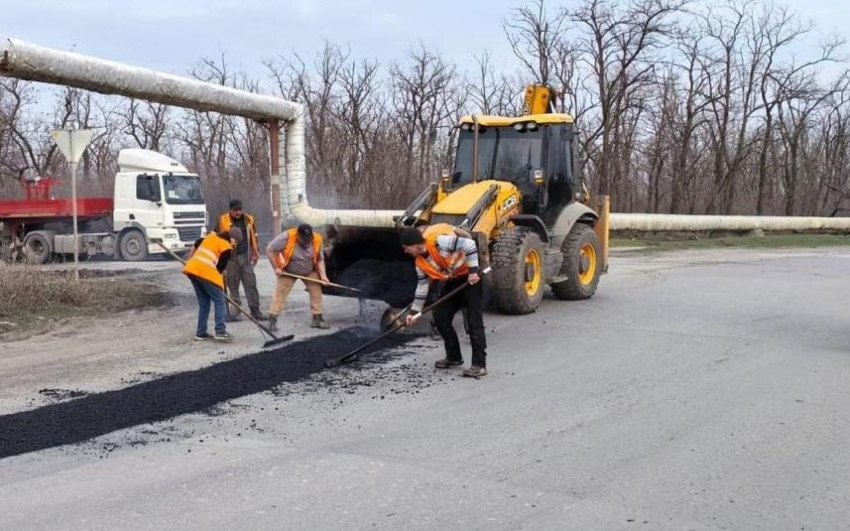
[(420, 207)]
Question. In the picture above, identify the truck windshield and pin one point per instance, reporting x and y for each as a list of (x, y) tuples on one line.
[(504, 154), (182, 189)]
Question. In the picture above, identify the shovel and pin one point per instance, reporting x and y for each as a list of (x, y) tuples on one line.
[(351, 356), (275, 340)]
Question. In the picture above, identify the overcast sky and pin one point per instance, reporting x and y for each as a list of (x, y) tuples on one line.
[(171, 35)]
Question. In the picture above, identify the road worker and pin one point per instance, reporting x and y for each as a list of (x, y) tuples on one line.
[(206, 262), (443, 256), (299, 252), (240, 268)]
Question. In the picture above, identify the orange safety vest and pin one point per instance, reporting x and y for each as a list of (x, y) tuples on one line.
[(285, 256), (202, 264), (224, 223), (434, 264)]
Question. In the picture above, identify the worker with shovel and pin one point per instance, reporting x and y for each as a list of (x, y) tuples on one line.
[(298, 253), (240, 269), (204, 268), (442, 256)]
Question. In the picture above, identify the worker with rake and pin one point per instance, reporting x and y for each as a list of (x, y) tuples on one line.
[(298, 253), (205, 265), (443, 256)]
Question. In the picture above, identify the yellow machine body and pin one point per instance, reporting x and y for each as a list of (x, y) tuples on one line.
[(516, 187)]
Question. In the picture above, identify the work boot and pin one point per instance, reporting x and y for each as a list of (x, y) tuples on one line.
[(257, 314), (223, 337), (272, 323), (203, 337), (319, 322), (475, 372), (447, 363)]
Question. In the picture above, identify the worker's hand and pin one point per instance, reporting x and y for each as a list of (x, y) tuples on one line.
[(474, 278), (411, 319), (278, 271), (255, 259), (324, 279)]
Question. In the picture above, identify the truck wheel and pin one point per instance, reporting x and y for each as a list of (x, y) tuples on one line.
[(37, 249), (518, 277), (581, 264), (134, 246)]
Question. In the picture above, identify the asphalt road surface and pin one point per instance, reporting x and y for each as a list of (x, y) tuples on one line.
[(696, 391)]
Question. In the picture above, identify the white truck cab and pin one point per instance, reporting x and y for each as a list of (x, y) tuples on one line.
[(156, 198)]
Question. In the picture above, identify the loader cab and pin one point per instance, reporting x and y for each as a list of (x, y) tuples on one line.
[(536, 153)]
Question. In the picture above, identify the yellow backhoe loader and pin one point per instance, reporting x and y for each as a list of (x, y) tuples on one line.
[(517, 188)]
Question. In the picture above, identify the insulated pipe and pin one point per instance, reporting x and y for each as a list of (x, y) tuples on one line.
[(30, 62), (36, 63), (294, 205), (688, 223)]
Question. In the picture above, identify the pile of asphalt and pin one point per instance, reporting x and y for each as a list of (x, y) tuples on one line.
[(393, 282), (169, 396)]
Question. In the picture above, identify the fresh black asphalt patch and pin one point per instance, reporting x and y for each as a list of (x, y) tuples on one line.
[(167, 397)]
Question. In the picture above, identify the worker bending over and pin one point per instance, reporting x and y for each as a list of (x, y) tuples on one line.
[(204, 266), (443, 256), (240, 269), (298, 252)]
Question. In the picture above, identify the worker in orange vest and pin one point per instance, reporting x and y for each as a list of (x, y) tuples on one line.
[(297, 252), (444, 256), (240, 267), (204, 267)]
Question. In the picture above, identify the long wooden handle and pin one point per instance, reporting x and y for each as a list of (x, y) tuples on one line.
[(316, 280)]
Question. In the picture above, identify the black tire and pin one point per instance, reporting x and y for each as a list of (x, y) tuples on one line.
[(134, 246), (582, 253), (37, 249), (518, 283)]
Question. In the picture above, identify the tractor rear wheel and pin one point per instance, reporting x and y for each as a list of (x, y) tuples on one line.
[(518, 276), (581, 266)]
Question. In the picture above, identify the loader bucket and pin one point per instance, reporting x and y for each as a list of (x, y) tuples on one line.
[(372, 260)]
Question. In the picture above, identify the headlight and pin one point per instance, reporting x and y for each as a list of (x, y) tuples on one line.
[(168, 236)]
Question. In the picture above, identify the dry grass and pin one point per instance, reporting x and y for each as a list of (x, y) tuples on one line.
[(29, 295)]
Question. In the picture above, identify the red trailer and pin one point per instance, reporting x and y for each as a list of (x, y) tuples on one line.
[(40, 210)]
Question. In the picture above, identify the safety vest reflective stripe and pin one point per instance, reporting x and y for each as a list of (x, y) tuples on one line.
[(212, 256), (211, 263), (204, 260)]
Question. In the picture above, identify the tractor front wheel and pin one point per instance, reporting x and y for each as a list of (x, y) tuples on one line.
[(518, 275), (582, 264)]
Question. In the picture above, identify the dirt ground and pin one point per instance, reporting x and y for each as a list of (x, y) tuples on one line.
[(92, 354)]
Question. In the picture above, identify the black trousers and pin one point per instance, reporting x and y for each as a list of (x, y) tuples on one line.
[(472, 300)]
